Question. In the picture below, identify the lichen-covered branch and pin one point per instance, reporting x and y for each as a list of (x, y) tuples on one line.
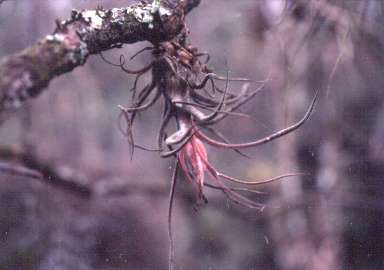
[(24, 75)]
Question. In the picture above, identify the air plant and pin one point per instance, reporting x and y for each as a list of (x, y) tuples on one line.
[(188, 89)]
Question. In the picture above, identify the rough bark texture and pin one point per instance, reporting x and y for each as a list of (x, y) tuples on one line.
[(24, 75)]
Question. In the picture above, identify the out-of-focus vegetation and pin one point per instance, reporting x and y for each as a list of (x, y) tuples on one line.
[(331, 219)]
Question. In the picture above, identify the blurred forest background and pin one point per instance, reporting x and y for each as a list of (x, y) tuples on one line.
[(331, 219)]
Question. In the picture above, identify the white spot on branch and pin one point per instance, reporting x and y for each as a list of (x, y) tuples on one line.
[(95, 18), (55, 38), (145, 14)]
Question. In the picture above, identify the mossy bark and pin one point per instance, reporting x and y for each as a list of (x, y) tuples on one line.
[(25, 74)]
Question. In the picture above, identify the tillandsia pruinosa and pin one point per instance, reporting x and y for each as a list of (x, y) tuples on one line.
[(191, 97)]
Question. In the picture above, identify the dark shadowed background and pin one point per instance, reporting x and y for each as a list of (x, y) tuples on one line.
[(331, 219)]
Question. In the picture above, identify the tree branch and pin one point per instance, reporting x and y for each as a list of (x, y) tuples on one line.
[(13, 169), (24, 75), (41, 170)]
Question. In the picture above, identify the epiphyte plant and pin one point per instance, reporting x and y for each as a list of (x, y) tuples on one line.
[(181, 79), (191, 97)]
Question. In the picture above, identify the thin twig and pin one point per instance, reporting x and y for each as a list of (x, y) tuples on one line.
[(49, 173)]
